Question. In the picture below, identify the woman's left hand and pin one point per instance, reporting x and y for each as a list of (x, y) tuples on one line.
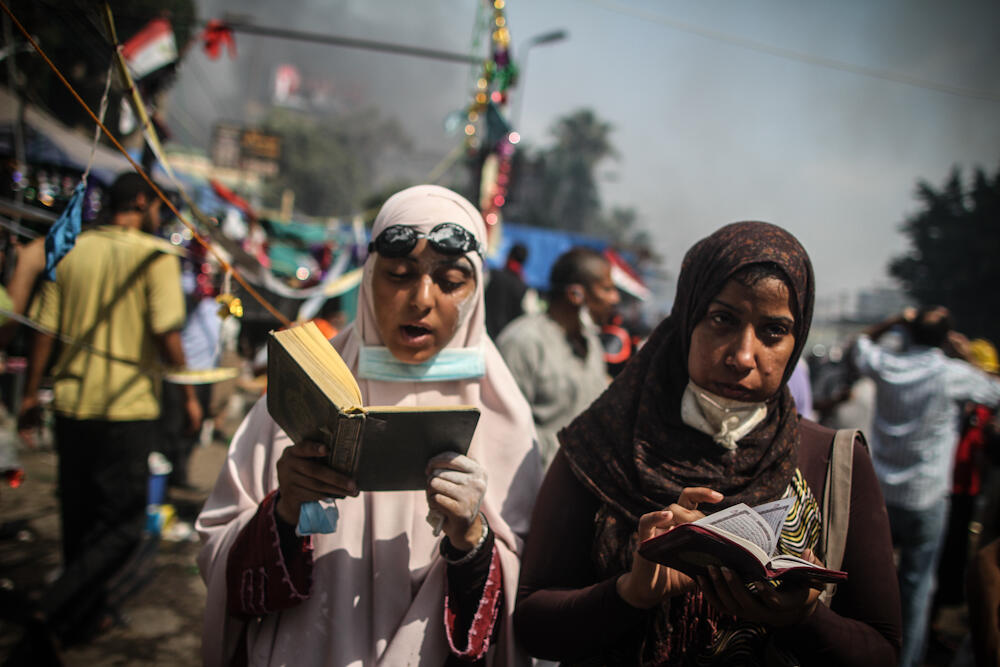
[(788, 604), (455, 488)]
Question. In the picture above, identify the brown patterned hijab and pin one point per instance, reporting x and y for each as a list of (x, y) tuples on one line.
[(631, 449)]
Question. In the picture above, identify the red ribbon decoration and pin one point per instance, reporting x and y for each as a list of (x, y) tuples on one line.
[(216, 35)]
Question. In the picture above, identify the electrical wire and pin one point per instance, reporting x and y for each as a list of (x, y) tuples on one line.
[(139, 170), (198, 71), (799, 56)]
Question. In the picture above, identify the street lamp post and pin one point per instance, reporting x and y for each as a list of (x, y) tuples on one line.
[(544, 38)]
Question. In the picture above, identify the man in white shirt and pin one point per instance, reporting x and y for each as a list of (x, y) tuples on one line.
[(919, 395)]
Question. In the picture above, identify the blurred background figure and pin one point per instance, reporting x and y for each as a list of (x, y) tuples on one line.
[(117, 298), (801, 388), (201, 341), (842, 398), (983, 590), (505, 292), (23, 283), (978, 445), (919, 397), (556, 357), (331, 318)]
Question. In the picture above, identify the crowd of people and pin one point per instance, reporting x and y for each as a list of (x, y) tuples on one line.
[(527, 546)]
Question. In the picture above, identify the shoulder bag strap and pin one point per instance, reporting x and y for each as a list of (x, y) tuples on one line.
[(837, 503)]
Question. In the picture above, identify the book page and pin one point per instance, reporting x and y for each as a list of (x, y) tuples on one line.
[(321, 362), (774, 513), (743, 522), (785, 560)]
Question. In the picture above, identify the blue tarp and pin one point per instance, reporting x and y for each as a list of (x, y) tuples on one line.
[(544, 246)]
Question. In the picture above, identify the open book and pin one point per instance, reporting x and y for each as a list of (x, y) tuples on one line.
[(741, 538), (312, 395)]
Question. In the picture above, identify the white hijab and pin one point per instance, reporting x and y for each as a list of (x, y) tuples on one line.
[(378, 582)]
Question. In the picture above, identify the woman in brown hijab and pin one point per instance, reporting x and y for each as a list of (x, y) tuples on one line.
[(655, 450)]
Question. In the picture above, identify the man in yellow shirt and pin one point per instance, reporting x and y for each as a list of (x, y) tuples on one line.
[(116, 308)]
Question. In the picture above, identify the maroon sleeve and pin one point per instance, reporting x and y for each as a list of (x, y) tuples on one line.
[(863, 626), (261, 576), (473, 602), (564, 611)]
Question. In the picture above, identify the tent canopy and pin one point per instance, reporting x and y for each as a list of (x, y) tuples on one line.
[(544, 247), (47, 141)]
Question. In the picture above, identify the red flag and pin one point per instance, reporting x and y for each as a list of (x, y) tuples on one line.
[(625, 277), (216, 35), (231, 197)]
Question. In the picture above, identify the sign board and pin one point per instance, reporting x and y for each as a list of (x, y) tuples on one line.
[(237, 147)]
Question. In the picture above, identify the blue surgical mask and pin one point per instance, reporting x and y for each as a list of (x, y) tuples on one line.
[(377, 363), (318, 516)]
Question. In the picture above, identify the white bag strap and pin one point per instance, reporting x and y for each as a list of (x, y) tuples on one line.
[(837, 503)]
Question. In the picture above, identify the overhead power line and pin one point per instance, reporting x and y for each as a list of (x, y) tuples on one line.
[(244, 24), (790, 54), (335, 40)]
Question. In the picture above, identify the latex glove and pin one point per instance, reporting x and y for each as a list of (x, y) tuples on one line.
[(455, 488)]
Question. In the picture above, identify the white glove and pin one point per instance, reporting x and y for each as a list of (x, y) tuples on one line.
[(455, 488)]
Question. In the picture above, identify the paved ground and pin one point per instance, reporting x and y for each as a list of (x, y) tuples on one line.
[(162, 621)]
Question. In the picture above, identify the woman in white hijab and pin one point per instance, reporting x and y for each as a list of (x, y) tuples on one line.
[(383, 589)]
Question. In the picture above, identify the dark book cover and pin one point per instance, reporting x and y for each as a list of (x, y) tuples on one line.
[(396, 445)]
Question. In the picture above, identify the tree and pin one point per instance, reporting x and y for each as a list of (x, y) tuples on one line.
[(557, 188), (955, 248), (329, 161)]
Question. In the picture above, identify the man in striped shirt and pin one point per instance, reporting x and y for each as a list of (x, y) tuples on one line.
[(919, 395)]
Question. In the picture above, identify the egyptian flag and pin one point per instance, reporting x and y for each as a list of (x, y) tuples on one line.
[(150, 49), (624, 276)]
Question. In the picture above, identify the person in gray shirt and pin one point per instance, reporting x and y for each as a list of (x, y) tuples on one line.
[(556, 357)]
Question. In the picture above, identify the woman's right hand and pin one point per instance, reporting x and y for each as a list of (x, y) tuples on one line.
[(649, 583), (303, 476)]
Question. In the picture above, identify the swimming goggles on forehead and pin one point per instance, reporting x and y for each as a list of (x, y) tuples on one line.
[(447, 238)]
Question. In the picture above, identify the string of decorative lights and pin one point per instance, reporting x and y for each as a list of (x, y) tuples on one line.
[(499, 72)]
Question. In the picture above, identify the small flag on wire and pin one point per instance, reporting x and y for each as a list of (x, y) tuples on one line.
[(150, 49)]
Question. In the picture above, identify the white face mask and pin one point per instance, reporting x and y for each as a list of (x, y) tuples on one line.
[(587, 321), (725, 419)]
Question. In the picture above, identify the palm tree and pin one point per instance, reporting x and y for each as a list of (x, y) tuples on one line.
[(572, 200)]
